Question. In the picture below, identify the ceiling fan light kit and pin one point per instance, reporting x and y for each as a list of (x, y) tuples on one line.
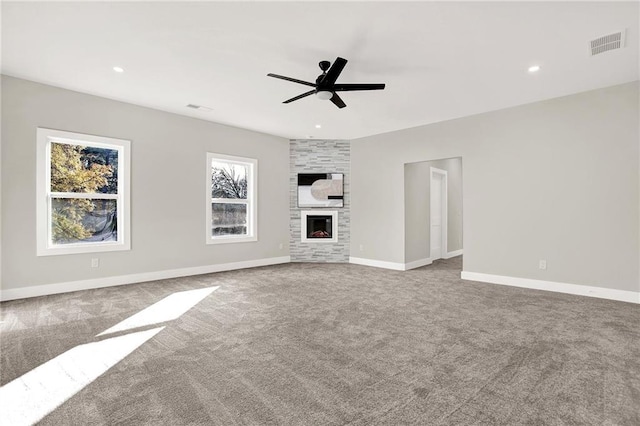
[(325, 87), (324, 95)]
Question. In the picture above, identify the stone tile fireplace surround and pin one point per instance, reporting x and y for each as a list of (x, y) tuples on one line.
[(319, 156)]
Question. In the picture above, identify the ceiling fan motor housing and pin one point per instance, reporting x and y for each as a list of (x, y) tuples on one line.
[(324, 65)]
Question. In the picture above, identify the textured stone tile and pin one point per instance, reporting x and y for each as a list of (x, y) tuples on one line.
[(319, 156)]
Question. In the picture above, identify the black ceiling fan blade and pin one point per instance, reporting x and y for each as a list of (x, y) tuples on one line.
[(334, 71), (310, 92), (337, 100), (281, 77), (352, 87)]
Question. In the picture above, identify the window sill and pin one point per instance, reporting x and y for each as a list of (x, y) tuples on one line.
[(229, 240), (82, 249)]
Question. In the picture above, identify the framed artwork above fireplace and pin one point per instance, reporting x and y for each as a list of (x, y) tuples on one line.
[(320, 190)]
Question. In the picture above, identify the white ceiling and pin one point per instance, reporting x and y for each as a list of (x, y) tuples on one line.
[(440, 60)]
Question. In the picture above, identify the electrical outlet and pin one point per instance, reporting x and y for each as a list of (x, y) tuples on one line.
[(95, 262), (361, 247), (542, 264), (281, 246)]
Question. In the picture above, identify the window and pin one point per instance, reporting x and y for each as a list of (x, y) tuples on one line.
[(83, 193), (231, 199)]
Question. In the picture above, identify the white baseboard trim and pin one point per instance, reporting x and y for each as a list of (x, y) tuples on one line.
[(580, 290), (377, 263), (417, 264), (65, 287), (454, 253), (390, 265)]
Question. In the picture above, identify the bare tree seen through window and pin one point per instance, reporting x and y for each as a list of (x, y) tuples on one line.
[(228, 183)]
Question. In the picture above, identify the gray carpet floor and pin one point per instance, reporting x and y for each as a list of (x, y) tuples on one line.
[(338, 344)]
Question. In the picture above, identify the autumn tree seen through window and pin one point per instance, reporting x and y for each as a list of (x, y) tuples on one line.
[(83, 191)]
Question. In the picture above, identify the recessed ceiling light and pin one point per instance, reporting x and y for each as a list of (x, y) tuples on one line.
[(118, 69), (318, 126), (534, 68)]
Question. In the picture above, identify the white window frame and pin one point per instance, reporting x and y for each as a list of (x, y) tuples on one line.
[(251, 201), (45, 246)]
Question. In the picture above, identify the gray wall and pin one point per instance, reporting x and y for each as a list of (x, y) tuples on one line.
[(417, 211), (555, 180), (319, 156), (168, 154)]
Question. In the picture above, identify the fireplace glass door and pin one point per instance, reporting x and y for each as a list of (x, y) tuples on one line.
[(319, 226)]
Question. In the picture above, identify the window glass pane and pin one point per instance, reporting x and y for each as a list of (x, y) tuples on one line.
[(228, 219), (228, 180), (75, 220), (77, 168)]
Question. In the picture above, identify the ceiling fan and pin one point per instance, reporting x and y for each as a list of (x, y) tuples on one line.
[(325, 86)]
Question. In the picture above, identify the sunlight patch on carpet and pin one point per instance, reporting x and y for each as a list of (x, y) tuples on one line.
[(29, 398), (167, 309)]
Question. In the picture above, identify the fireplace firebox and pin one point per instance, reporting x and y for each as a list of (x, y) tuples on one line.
[(319, 226)]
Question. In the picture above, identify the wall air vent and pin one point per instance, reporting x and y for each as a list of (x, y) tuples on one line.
[(199, 107), (607, 42)]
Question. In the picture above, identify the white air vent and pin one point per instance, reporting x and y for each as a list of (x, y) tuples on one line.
[(199, 107), (607, 42)]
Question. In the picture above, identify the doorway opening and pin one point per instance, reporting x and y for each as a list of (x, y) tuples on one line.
[(432, 211)]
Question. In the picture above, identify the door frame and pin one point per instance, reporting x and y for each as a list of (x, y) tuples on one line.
[(445, 210)]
